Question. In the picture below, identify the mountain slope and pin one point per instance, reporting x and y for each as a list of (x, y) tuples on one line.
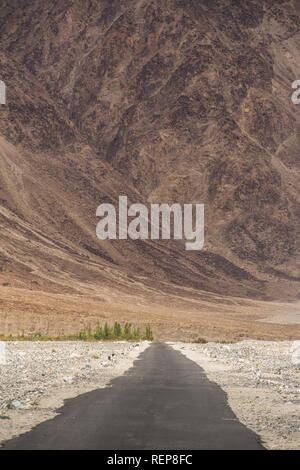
[(175, 102)]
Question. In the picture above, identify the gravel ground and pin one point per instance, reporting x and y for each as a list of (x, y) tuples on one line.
[(261, 379), (262, 382), (36, 377)]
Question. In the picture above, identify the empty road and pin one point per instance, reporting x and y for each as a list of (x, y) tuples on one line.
[(164, 402)]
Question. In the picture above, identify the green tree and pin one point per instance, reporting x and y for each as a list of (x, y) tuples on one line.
[(136, 334), (117, 330), (148, 333), (106, 331), (127, 331), (98, 331)]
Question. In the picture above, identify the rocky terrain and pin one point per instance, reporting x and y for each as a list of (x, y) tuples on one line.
[(36, 377), (174, 101), (262, 382)]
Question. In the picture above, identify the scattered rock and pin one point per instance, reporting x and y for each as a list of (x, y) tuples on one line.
[(261, 384)]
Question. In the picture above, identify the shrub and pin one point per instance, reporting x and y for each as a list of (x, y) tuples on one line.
[(200, 341)]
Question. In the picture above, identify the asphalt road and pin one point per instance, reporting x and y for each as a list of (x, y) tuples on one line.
[(164, 402)]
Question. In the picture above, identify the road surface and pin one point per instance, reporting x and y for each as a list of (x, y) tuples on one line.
[(164, 402)]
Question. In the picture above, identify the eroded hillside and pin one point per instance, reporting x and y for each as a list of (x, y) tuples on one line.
[(174, 101)]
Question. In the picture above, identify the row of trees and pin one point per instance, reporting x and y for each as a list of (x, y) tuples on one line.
[(107, 332)]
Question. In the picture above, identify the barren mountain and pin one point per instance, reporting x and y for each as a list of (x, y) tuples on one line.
[(174, 101)]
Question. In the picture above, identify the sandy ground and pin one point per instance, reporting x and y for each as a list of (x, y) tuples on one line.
[(177, 316), (262, 382), (290, 318), (37, 377)]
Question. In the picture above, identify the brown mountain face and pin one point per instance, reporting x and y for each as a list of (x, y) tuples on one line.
[(174, 101)]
